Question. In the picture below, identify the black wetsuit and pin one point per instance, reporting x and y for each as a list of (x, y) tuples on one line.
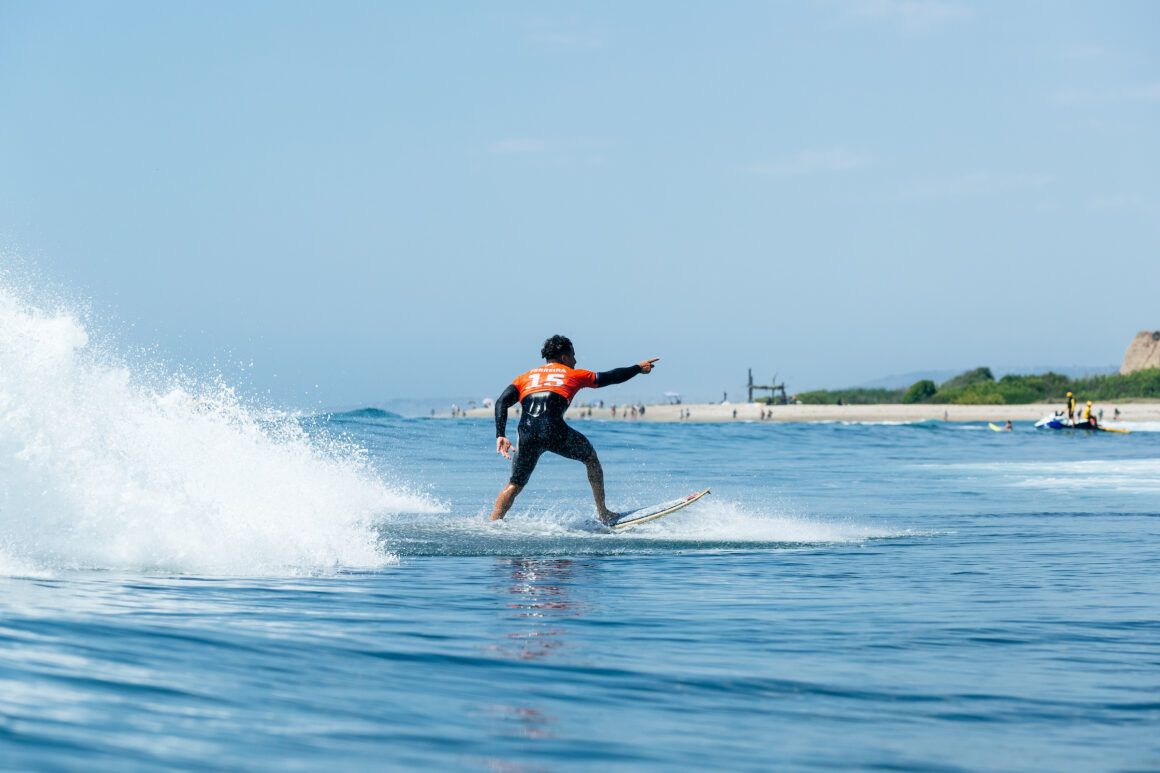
[(542, 426)]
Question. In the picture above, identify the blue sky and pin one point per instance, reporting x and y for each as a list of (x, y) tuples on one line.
[(372, 200)]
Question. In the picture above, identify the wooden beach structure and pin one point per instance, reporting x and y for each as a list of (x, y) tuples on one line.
[(776, 391)]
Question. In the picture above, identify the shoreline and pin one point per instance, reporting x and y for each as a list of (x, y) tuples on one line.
[(1135, 410)]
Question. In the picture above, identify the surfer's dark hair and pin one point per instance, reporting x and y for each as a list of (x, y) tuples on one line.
[(556, 347)]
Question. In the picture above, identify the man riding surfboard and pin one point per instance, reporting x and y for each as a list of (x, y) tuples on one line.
[(544, 394)]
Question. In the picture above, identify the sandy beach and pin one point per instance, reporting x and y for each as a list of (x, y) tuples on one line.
[(724, 412)]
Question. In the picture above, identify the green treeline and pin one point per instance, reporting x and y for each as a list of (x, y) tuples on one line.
[(979, 387)]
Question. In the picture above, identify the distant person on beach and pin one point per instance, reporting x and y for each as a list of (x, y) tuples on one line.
[(1116, 414), (545, 394)]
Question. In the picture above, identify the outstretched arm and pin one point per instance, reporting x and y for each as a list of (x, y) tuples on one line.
[(507, 399), (620, 375)]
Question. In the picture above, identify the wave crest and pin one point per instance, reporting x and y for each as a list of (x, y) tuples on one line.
[(101, 470)]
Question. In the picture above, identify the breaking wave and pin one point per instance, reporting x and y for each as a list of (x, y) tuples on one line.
[(104, 466)]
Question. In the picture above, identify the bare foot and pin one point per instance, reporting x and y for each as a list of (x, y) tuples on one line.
[(608, 517)]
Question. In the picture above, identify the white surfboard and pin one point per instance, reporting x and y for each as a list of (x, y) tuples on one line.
[(652, 512)]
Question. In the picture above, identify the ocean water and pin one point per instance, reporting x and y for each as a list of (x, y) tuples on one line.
[(189, 581)]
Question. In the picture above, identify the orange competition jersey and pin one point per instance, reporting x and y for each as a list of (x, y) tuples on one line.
[(554, 377)]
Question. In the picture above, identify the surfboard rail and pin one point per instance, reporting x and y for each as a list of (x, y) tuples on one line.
[(652, 512)]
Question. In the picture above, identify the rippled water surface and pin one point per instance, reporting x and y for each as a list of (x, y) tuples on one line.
[(930, 596)]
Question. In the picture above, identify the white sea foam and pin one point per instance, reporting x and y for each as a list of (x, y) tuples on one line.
[(1134, 426), (1138, 476), (720, 520), (1132, 476), (102, 468), (711, 520)]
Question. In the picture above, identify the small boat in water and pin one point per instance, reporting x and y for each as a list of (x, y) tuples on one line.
[(1059, 420)]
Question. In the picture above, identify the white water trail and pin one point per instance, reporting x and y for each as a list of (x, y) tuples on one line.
[(99, 469), (723, 520), (709, 521)]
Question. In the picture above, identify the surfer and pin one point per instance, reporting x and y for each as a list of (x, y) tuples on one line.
[(545, 393)]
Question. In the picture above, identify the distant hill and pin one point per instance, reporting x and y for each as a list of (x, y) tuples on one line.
[(979, 386), (903, 380), (411, 406)]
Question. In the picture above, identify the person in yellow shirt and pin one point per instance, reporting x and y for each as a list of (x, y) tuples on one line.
[(1088, 416), (1070, 408)]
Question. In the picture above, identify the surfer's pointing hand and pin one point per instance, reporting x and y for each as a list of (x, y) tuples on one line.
[(503, 446), (647, 365)]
